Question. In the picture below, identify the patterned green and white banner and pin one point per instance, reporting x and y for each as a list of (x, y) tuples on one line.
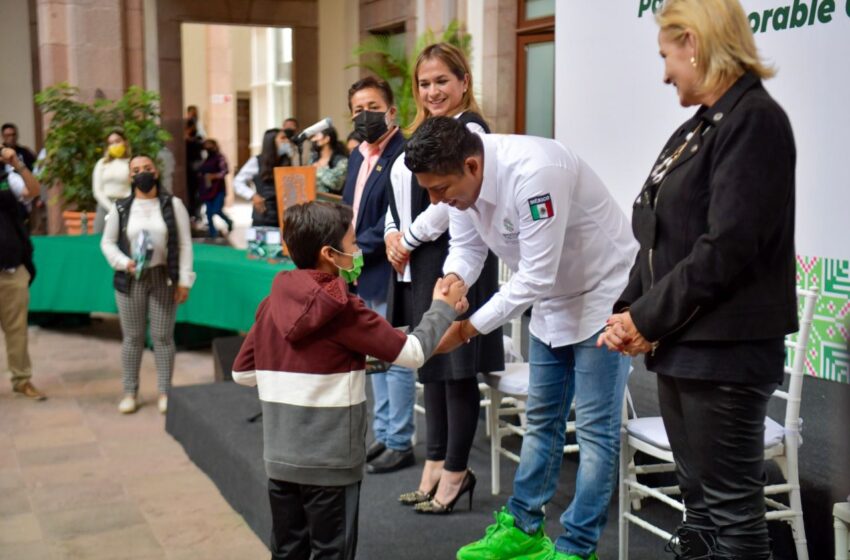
[(828, 354)]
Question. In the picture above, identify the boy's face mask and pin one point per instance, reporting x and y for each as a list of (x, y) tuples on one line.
[(350, 275)]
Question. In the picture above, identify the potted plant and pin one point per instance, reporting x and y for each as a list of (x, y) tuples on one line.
[(385, 56), (75, 142)]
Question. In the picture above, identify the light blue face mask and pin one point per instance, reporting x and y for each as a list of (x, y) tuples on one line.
[(285, 149), (350, 275)]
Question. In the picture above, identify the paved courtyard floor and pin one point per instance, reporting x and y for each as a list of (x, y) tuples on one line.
[(78, 480)]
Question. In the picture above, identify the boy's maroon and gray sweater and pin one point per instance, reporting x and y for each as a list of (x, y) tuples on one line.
[(307, 355)]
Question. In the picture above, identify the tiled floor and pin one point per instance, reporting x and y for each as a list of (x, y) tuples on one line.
[(78, 480)]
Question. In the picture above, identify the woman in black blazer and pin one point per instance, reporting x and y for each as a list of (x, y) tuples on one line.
[(712, 292)]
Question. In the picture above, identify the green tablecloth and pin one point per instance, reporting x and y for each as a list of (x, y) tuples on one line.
[(73, 277)]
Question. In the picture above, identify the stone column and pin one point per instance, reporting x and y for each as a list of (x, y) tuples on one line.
[(134, 35), (82, 43), (498, 69), (221, 112), (171, 94), (338, 35), (305, 74)]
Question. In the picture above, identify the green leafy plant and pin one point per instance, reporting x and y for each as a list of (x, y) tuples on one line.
[(76, 137), (384, 55)]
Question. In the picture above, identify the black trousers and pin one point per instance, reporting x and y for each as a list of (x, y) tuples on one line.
[(451, 417), (317, 520), (716, 433)]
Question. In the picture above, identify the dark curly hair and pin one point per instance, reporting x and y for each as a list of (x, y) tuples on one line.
[(440, 146)]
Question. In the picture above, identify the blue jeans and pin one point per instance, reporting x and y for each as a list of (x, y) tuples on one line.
[(215, 208), (395, 394), (597, 379)]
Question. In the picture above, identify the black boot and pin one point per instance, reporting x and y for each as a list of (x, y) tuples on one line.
[(691, 544)]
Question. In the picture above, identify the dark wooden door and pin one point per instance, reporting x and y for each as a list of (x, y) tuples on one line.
[(243, 131)]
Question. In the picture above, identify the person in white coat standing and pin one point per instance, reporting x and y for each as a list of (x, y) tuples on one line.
[(111, 176)]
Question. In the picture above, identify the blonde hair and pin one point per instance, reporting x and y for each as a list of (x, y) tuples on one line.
[(457, 64), (725, 45)]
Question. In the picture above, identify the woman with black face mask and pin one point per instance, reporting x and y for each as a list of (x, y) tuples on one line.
[(148, 242)]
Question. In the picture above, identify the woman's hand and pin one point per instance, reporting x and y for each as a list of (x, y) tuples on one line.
[(131, 267), (396, 253), (181, 294), (259, 204), (621, 335)]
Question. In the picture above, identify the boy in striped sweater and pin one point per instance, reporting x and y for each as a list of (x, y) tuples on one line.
[(306, 353)]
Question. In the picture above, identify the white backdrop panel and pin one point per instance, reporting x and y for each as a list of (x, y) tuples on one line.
[(614, 110)]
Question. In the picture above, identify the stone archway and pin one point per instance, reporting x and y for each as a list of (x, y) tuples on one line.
[(300, 15)]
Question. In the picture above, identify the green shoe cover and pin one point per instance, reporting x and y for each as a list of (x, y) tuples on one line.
[(503, 541), (562, 556)]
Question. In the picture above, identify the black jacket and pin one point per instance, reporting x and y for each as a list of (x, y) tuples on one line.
[(121, 280), (266, 189), (716, 260), (15, 245)]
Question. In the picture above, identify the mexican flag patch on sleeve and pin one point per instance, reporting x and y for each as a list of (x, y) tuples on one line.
[(541, 207)]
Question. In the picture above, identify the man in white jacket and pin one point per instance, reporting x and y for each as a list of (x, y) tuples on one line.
[(549, 218)]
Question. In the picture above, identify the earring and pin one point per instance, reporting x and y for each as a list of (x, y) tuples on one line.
[(693, 62)]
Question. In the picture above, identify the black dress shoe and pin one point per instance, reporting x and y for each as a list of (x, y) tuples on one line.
[(374, 450), (390, 461)]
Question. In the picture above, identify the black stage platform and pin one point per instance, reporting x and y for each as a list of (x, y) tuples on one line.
[(211, 422)]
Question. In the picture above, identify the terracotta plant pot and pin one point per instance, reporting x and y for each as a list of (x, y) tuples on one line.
[(74, 222)]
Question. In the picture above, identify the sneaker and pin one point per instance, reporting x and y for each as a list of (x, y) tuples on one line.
[(561, 556), (128, 405), (503, 541), (28, 390), (162, 404)]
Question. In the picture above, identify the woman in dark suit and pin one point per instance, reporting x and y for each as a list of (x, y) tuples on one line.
[(417, 244), (712, 292)]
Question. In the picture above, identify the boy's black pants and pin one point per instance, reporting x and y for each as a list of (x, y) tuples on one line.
[(306, 519)]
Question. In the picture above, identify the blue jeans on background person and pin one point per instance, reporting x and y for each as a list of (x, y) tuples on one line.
[(597, 378), (395, 395), (214, 207)]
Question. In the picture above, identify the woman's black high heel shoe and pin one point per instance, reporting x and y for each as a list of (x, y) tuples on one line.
[(432, 506), (417, 496)]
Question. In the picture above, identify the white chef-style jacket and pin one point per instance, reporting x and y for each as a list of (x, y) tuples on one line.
[(549, 218), (428, 225)]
